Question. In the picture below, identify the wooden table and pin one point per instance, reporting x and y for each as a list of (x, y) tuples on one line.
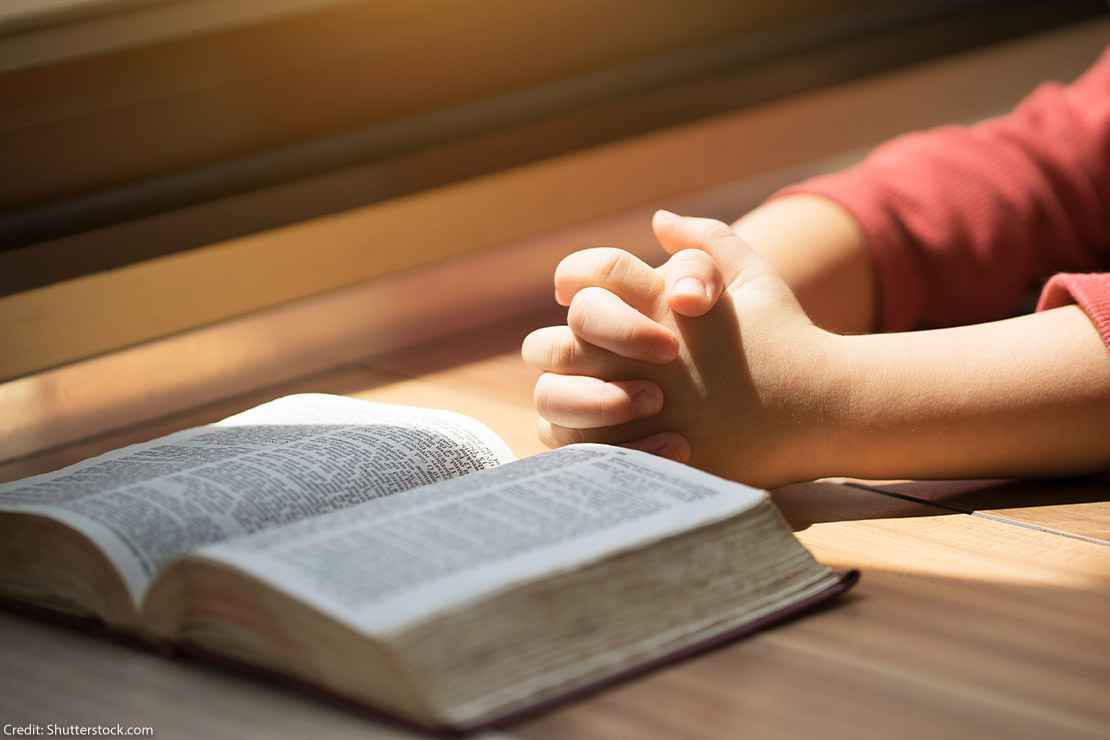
[(984, 608)]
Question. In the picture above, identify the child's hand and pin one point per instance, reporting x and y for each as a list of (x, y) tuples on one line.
[(745, 391)]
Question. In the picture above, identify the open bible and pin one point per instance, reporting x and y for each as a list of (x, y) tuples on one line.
[(399, 558)]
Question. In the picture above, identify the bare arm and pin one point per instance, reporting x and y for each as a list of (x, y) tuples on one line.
[(1028, 396), (817, 247)]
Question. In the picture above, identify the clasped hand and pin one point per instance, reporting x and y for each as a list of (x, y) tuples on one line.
[(708, 359)]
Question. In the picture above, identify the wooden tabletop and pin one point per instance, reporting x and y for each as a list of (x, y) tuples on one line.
[(982, 611)]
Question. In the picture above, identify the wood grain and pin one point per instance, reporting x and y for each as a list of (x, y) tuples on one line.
[(960, 627), (53, 674)]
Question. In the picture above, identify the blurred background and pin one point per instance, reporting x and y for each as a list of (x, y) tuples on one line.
[(170, 165)]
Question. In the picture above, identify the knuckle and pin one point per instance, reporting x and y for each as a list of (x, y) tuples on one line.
[(584, 304), (577, 269), (603, 402), (562, 353), (544, 396), (634, 333), (641, 333), (592, 296), (611, 265), (717, 230), (578, 315), (535, 346), (575, 262), (594, 266), (693, 260)]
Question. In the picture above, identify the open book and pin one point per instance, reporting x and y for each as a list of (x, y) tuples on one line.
[(399, 558)]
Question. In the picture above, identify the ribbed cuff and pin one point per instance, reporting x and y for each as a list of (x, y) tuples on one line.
[(1091, 292)]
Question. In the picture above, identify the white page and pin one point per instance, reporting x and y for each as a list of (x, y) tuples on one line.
[(277, 463), (388, 562)]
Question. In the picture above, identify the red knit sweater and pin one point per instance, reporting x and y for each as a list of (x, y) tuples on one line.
[(964, 221)]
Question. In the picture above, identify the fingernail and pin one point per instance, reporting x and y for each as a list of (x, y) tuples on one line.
[(663, 215), (648, 400), (690, 285)]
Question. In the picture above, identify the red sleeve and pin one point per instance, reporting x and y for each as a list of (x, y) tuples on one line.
[(1091, 292), (964, 221)]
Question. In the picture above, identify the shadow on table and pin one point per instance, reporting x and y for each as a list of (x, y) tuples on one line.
[(805, 504), (500, 338), (979, 495)]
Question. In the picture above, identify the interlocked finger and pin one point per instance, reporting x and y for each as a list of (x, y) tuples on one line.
[(582, 402), (556, 435), (693, 281), (621, 273), (556, 349), (604, 320)]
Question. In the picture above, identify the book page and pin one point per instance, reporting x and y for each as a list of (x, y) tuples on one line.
[(286, 460), (390, 561)]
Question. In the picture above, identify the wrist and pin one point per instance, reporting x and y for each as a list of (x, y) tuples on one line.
[(831, 421), (848, 434), (813, 412)]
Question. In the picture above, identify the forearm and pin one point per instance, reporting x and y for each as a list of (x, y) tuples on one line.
[(818, 249), (1028, 396)]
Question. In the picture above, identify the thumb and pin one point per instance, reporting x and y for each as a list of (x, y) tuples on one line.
[(737, 264), (724, 258), (693, 282), (732, 254)]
